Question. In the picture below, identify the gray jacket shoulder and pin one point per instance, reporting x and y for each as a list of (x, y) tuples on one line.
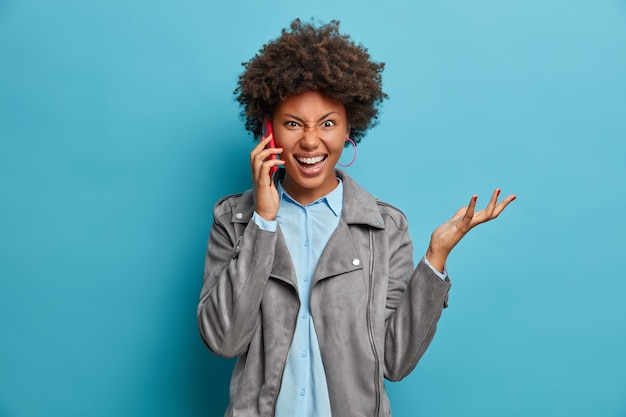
[(238, 206), (388, 211)]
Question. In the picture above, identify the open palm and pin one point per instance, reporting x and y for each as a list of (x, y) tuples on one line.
[(446, 236)]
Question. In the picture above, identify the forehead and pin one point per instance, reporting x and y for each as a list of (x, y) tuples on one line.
[(309, 104)]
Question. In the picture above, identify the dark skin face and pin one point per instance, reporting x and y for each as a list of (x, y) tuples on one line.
[(311, 129)]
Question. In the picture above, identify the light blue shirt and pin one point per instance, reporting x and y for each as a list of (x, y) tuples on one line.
[(306, 229)]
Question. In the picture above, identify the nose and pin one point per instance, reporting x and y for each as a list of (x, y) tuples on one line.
[(310, 138)]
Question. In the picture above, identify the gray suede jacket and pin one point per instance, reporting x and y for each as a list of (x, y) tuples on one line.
[(374, 314)]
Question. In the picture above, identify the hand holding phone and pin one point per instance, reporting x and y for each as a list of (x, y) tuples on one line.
[(267, 130)]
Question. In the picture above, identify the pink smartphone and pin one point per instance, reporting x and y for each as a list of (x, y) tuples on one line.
[(267, 130)]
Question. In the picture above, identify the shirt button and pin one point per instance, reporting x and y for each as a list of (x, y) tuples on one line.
[(306, 243), (303, 316), (356, 262), (239, 215), (306, 279), (302, 392), (303, 354)]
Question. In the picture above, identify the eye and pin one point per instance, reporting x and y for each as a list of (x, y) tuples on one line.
[(328, 123), (291, 124)]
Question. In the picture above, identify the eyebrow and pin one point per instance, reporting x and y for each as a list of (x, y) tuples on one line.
[(302, 121)]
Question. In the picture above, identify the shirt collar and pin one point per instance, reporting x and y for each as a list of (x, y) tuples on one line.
[(333, 200)]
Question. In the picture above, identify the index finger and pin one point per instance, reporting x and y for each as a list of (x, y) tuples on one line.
[(466, 221), (264, 141), (261, 146)]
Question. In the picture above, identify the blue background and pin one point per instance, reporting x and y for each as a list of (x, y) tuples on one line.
[(119, 132)]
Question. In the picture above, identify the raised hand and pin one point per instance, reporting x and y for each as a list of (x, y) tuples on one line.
[(266, 199), (446, 236)]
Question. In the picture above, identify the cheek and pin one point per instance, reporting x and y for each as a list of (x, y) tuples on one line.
[(338, 144), (283, 141)]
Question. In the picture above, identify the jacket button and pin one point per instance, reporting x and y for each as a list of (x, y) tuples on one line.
[(239, 215), (356, 262)]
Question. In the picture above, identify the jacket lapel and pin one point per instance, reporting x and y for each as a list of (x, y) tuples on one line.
[(339, 256), (283, 268)]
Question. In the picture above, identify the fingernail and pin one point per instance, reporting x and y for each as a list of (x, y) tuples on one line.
[(514, 197), (475, 198), (498, 191)]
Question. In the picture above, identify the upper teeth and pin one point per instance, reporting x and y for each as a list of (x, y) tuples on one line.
[(311, 161)]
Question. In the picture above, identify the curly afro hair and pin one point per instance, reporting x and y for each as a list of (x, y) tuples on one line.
[(310, 57)]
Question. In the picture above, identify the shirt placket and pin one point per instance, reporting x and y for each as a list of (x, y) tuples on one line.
[(304, 336)]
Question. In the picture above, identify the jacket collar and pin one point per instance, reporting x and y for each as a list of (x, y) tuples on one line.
[(359, 206)]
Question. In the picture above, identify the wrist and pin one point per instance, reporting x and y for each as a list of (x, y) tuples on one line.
[(268, 217), (436, 259), (267, 225)]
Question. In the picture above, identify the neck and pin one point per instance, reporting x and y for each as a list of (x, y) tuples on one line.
[(304, 195)]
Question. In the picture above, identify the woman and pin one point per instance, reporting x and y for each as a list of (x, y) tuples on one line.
[(309, 280)]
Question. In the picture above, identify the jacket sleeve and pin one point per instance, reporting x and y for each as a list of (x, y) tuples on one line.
[(235, 273), (415, 300)]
